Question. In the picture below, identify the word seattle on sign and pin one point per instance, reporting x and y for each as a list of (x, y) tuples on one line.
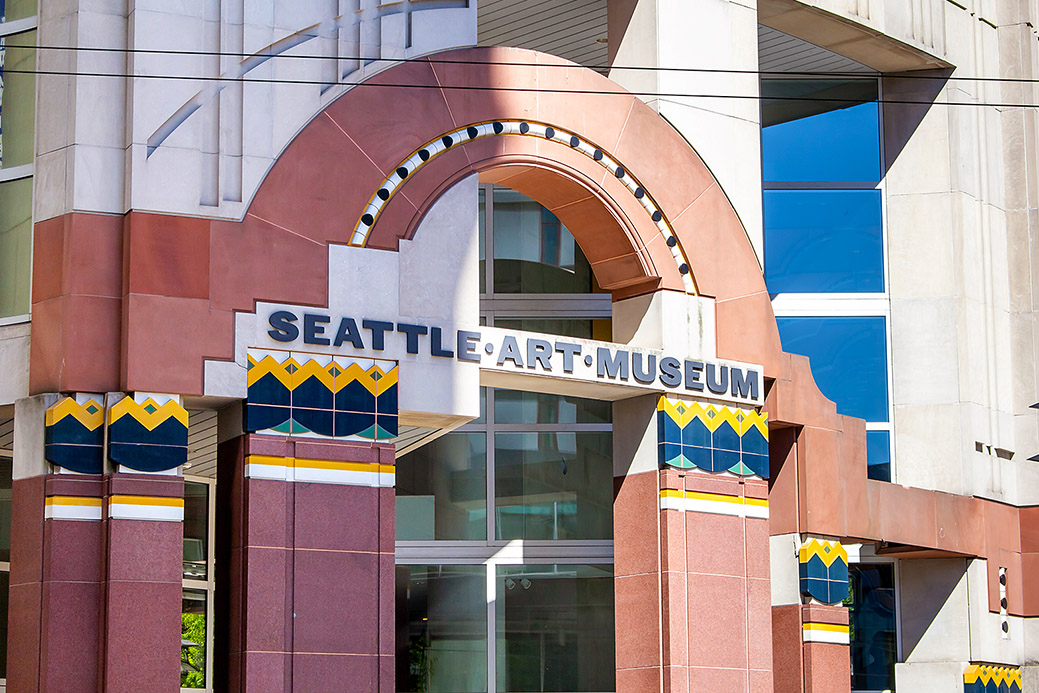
[(515, 351)]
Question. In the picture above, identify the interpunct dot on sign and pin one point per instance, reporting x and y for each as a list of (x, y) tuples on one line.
[(489, 348), (588, 359)]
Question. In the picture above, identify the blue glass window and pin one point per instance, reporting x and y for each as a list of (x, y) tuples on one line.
[(878, 455), (820, 130), (823, 241), (849, 360), (871, 611)]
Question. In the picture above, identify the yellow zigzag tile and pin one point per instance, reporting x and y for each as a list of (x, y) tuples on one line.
[(711, 416), (149, 419), (68, 406), (258, 369), (828, 551), (291, 374), (999, 675)]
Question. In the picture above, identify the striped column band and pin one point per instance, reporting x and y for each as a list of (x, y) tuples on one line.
[(714, 503), (525, 128), (160, 508), (830, 633), (319, 471), (72, 508)]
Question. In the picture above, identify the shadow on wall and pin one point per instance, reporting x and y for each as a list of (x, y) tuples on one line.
[(902, 119), (927, 586)]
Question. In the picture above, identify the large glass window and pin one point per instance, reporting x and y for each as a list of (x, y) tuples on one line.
[(505, 526), (196, 667), (824, 244), (871, 612)]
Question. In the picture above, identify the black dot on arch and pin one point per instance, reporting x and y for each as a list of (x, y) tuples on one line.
[(672, 241), (597, 155), (639, 193), (657, 216), (498, 128), (683, 268), (446, 139), (423, 154), (550, 132), (574, 140), (619, 172), (383, 194), (402, 172), (472, 132), (367, 219), (524, 128)]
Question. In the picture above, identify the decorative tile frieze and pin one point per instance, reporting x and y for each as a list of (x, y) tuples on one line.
[(715, 438), (823, 569), (147, 435), (74, 433)]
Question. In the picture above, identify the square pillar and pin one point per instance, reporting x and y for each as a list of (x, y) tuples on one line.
[(306, 568)]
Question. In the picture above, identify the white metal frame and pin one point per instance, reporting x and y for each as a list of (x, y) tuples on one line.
[(492, 552), (208, 586), (850, 304)]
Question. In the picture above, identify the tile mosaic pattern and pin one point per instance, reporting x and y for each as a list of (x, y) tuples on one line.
[(74, 434), (715, 438), (823, 567), (321, 396), (985, 678), (147, 436), (524, 128)]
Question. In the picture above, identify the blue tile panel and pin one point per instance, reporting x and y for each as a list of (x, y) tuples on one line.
[(321, 396), (74, 435), (985, 678), (712, 437), (147, 436), (823, 567)]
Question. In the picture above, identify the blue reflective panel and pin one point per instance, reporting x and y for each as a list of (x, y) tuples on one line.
[(837, 145), (823, 240), (878, 455), (849, 360)]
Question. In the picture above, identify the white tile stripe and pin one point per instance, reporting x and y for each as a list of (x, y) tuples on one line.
[(513, 127), (131, 511), (714, 507), (825, 636), (348, 477), (58, 511)]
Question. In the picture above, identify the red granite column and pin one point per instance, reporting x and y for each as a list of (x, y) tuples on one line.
[(692, 583), (310, 570), (825, 637), (56, 546), (143, 586)]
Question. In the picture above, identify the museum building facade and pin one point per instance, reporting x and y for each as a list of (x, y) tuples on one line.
[(610, 346)]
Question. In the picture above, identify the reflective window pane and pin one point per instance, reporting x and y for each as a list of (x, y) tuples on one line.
[(849, 360), (553, 485), (871, 612), (533, 251), (196, 530), (555, 628), (193, 640), (483, 235), (823, 240), (17, 97), (820, 130), (15, 246), (565, 327), (878, 455), (515, 406), (441, 628), (442, 489)]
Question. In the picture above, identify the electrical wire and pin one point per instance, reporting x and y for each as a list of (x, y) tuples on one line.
[(518, 90)]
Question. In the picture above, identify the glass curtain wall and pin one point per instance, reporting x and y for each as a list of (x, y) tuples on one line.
[(825, 245), (196, 665), (17, 115), (873, 624), (505, 526)]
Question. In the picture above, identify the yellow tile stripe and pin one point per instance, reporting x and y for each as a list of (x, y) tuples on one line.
[(986, 673), (818, 547), (146, 500), (319, 464), (73, 500), (697, 495), (149, 419), (68, 406), (830, 627)]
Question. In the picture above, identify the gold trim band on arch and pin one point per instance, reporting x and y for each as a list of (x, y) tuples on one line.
[(528, 128)]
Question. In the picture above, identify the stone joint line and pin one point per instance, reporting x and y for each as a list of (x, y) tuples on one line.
[(527, 128)]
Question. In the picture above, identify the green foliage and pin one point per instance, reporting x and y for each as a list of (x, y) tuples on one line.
[(193, 628)]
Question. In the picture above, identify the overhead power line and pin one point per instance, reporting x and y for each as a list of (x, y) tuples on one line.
[(517, 90), (599, 68)]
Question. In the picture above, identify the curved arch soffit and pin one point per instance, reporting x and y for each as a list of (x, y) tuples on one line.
[(523, 128)]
